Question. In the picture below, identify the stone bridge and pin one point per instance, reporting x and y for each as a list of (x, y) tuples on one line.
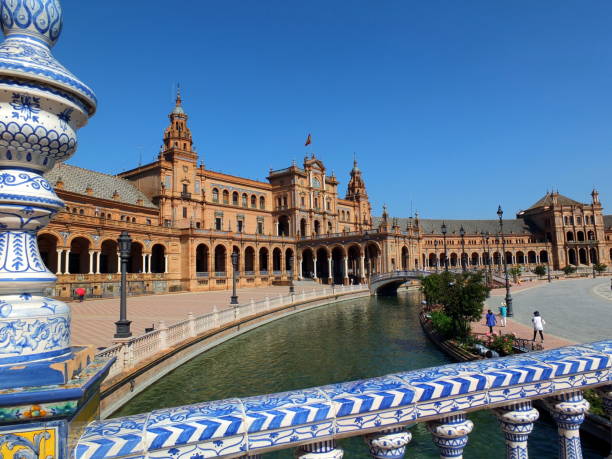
[(387, 283)]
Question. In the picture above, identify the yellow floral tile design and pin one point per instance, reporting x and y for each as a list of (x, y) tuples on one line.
[(34, 442)]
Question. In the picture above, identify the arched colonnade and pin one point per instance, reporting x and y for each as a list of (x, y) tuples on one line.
[(79, 254)]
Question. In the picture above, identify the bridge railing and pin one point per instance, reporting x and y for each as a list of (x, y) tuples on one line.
[(130, 353), (379, 409)]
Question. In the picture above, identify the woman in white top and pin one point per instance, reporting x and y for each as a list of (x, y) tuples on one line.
[(538, 325)]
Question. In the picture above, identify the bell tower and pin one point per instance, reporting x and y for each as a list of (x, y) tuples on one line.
[(357, 193), (177, 136)]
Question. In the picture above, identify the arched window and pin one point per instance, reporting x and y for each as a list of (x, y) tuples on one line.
[(235, 198), (225, 197), (262, 202), (245, 200), (215, 195), (253, 202), (570, 236)]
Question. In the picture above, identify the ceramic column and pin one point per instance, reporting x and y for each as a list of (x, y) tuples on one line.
[(149, 256), (144, 263), (314, 264), (43, 105), (319, 450), (516, 422), (118, 264), (300, 274), (388, 444), (330, 275), (568, 411), (166, 264), (98, 257), (450, 435)]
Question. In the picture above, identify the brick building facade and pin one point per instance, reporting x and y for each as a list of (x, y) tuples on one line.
[(186, 221)]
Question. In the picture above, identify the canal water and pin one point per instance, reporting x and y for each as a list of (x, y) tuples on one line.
[(342, 342)]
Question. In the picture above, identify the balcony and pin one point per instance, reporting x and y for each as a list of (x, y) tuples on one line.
[(185, 195)]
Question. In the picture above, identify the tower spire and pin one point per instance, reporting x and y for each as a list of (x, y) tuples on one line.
[(179, 102)]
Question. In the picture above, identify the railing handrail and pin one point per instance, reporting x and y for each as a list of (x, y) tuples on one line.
[(439, 395)]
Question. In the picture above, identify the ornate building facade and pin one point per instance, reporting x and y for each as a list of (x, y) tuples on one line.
[(186, 221)]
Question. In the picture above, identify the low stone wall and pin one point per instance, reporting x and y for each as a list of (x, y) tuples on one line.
[(118, 390)]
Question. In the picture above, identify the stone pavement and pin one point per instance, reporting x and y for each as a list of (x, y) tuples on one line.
[(521, 331), (93, 321), (573, 309)]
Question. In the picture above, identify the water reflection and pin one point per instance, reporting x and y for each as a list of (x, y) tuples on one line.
[(343, 342)]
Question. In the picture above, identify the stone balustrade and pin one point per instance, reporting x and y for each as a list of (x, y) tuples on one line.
[(132, 352), (379, 409)]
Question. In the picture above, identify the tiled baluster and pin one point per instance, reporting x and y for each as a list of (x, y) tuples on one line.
[(319, 450), (388, 444), (568, 411), (450, 435), (516, 421)]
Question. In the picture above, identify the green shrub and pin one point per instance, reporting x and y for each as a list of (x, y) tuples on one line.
[(515, 272), (596, 402), (502, 344), (569, 269), (539, 270), (442, 324), (600, 267)]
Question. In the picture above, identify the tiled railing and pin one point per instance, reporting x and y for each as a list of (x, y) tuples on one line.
[(379, 409), (136, 350)]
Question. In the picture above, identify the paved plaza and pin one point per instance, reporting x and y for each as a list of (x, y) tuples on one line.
[(93, 321), (578, 310)]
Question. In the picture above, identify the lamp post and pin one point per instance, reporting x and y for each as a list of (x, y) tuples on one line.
[(499, 262), (123, 325), (234, 298), (463, 260), (548, 260), (500, 214), (443, 228), (291, 286), (436, 258)]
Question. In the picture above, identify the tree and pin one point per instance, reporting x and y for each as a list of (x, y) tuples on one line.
[(600, 267), (569, 269), (539, 270), (462, 296)]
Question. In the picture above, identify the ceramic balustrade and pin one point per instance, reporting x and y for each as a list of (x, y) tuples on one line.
[(379, 409)]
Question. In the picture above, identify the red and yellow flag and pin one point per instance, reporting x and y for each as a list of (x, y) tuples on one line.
[(308, 140)]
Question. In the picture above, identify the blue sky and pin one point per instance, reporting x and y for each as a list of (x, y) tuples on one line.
[(452, 107)]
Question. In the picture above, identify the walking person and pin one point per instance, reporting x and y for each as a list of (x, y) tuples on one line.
[(491, 321), (80, 293), (503, 313), (538, 325)]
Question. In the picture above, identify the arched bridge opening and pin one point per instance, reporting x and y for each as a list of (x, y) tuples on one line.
[(387, 284)]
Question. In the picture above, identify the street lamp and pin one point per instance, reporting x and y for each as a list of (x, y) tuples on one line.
[(443, 228), (463, 260), (500, 214), (291, 286), (234, 298), (436, 258), (548, 260), (123, 325)]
